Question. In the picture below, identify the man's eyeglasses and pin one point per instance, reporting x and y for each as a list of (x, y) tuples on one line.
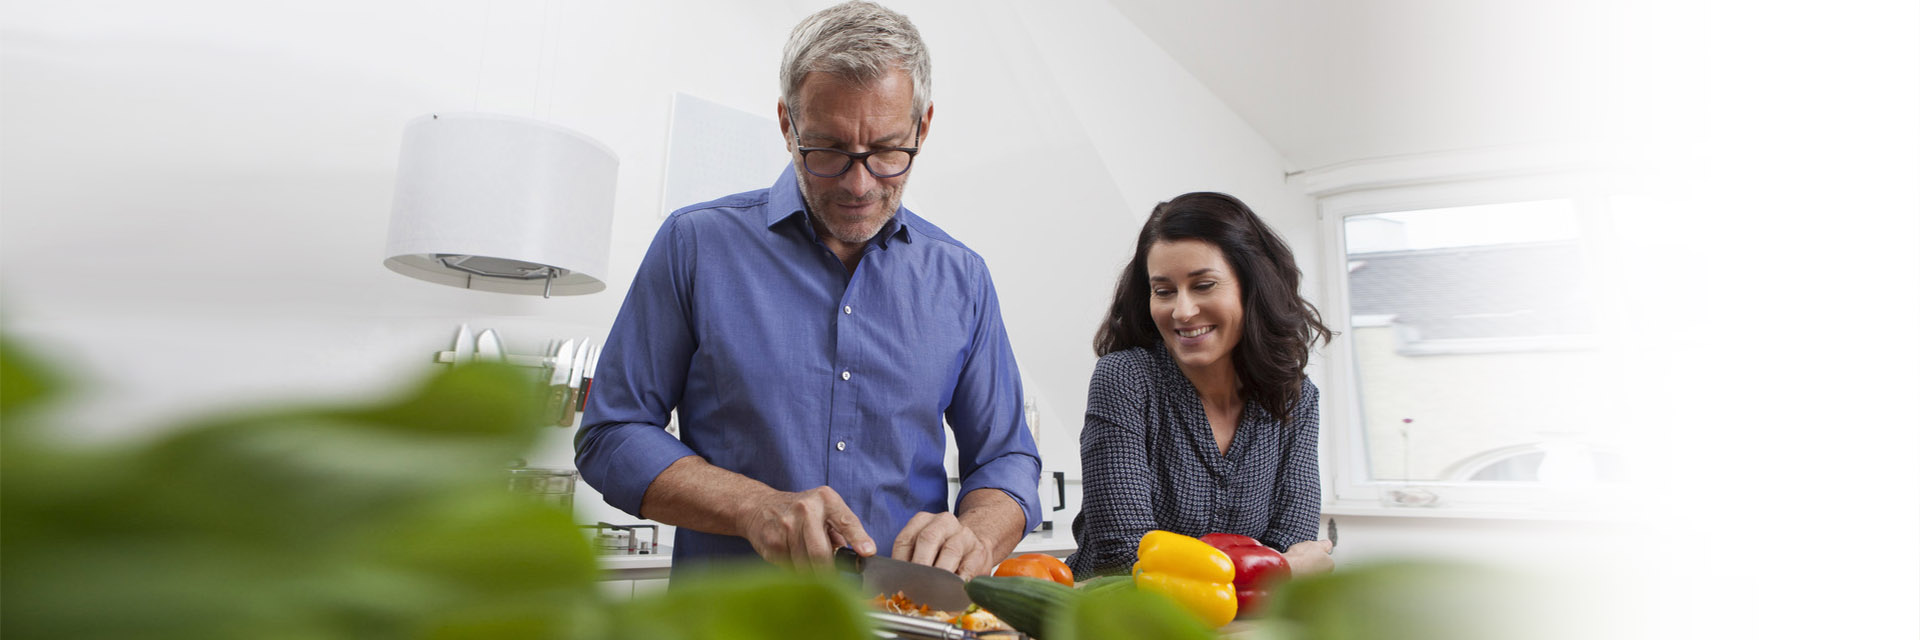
[(828, 162)]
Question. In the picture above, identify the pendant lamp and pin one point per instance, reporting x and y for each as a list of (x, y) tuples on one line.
[(502, 203)]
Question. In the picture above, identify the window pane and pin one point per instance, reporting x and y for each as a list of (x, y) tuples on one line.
[(1474, 332)]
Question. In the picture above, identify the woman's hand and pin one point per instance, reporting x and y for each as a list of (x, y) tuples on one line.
[(1310, 557)]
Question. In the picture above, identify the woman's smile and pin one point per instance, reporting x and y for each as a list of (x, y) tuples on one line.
[(1194, 333)]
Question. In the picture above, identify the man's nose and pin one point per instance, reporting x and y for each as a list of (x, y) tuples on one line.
[(858, 180)]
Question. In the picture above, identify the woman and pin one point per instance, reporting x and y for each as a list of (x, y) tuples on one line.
[(1200, 418)]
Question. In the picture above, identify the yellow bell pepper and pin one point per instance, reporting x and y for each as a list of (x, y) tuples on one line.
[(1193, 573)]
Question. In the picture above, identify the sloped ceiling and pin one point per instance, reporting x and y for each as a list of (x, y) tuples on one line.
[(1334, 81)]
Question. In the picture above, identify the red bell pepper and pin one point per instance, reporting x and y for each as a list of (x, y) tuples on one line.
[(1254, 565)]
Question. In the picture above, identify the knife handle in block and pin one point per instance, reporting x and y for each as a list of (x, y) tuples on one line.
[(556, 405), (568, 407)]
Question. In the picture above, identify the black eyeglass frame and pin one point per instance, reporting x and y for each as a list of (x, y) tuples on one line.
[(859, 158)]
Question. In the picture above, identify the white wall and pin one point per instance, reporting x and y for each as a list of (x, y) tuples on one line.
[(196, 195)]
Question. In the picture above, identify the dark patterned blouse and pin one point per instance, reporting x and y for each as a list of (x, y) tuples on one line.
[(1150, 462)]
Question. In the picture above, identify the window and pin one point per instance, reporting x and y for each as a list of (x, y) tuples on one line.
[(1473, 367), (1551, 462)]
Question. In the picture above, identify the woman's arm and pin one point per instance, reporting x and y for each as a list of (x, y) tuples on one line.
[(1295, 523), (1117, 492)]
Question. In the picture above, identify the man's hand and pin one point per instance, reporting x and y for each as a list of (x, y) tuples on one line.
[(802, 529), (1310, 557), (938, 539)]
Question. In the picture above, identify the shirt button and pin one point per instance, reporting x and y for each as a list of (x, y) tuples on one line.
[(848, 309), (846, 375), (841, 445)]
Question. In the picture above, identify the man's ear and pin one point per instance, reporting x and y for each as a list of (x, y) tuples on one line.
[(786, 125), (926, 123)]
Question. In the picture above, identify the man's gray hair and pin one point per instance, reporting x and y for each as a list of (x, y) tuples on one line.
[(859, 41)]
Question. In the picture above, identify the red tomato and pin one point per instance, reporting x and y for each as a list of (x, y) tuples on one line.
[(1036, 565)]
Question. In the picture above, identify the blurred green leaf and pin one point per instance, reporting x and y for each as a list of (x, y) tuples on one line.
[(24, 380), (1126, 614), (384, 521), (748, 603), (1423, 600)]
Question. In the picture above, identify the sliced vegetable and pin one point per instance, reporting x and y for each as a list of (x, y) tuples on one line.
[(1036, 565), (1193, 573), (978, 619)]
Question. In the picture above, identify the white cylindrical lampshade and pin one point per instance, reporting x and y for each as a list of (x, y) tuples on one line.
[(502, 203)]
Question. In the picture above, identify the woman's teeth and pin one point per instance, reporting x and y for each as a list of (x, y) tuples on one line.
[(1195, 332)]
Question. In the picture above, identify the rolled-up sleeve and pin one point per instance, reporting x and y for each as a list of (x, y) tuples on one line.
[(623, 443), (987, 413)]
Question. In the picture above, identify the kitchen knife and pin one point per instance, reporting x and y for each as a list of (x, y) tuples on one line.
[(586, 381), (557, 386), (463, 345), (488, 347), (936, 588), (1333, 533), (579, 368)]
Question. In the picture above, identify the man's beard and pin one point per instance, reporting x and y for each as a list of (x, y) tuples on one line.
[(852, 232)]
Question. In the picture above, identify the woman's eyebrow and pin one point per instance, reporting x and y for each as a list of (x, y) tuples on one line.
[(1195, 272)]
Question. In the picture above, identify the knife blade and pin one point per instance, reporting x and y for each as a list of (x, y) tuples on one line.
[(463, 345), (488, 347), (934, 587), (1333, 533)]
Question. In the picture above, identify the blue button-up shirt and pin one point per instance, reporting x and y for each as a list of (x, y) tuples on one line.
[(787, 369)]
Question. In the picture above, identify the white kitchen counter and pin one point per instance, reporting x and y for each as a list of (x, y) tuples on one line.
[(646, 566), (656, 566), (1057, 543)]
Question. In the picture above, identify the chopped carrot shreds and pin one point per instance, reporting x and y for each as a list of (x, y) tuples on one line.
[(898, 603), (973, 619)]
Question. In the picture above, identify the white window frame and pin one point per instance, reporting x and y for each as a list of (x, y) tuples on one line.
[(1433, 182)]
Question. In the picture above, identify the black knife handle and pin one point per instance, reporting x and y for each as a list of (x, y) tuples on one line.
[(846, 560)]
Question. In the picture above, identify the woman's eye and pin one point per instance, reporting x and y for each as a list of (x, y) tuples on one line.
[(1162, 293), (1203, 286)]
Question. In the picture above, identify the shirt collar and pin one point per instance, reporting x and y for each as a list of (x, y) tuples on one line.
[(784, 202)]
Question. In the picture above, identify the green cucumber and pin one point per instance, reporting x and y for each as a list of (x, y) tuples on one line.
[(1023, 603)]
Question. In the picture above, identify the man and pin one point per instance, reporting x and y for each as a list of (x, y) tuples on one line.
[(812, 337)]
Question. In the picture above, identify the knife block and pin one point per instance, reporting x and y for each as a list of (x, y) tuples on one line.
[(569, 372)]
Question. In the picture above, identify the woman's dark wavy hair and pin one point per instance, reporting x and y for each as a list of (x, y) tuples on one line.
[(1278, 328)]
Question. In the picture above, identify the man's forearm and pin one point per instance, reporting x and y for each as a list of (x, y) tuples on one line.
[(995, 518), (695, 494)]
